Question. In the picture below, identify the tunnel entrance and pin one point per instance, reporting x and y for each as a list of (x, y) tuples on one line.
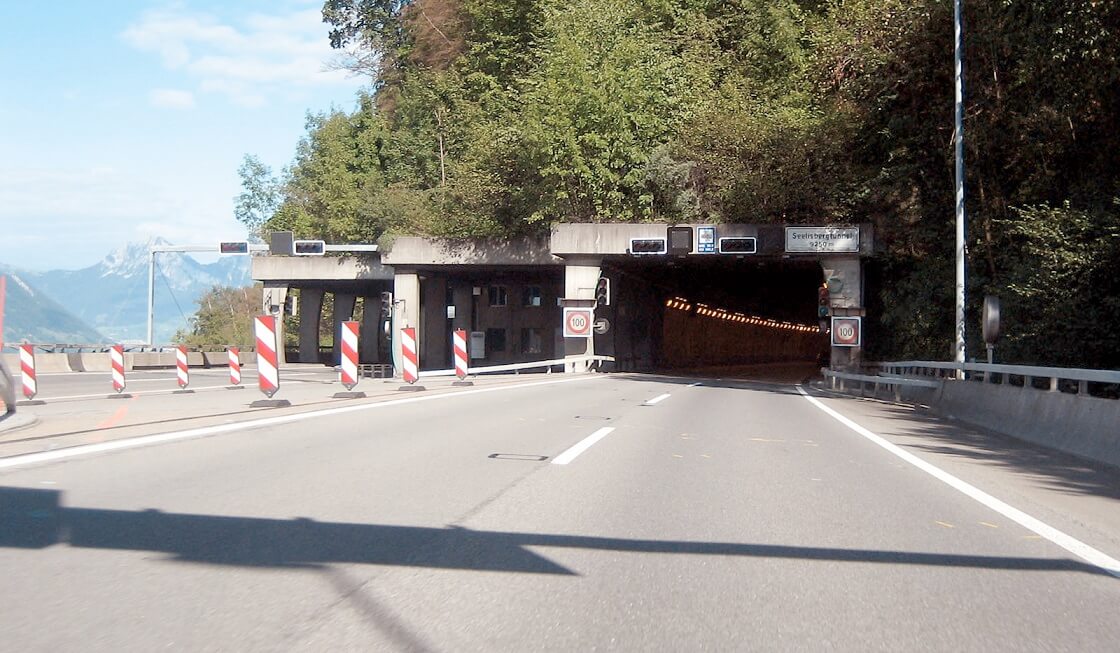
[(734, 316)]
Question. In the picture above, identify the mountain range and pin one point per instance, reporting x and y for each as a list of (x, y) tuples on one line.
[(108, 302)]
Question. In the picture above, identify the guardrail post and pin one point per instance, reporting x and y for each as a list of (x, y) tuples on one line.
[(1083, 388), (1053, 384)]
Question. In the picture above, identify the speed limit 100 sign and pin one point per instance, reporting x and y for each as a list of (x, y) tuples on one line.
[(577, 322), (845, 332)]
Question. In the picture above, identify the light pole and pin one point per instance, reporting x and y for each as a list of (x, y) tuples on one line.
[(959, 348)]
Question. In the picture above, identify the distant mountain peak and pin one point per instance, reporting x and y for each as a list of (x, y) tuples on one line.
[(130, 258)]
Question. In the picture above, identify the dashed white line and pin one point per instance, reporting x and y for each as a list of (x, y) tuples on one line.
[(657, 399), (581, 446), (1069, 543)]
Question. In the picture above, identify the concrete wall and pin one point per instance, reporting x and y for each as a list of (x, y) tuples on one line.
[(1078, 424), (48, 363)]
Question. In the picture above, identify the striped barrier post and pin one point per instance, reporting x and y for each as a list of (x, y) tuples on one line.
[(116, 359), (183, 373), (459, 347), (268, 372), (27, 370), (234, 366), (410, 359), (348, 369), (349, 360)]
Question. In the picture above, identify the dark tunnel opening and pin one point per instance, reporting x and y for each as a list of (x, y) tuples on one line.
[(732, 316)]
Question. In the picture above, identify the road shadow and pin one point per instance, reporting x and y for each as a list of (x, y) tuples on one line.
[(1048, 468), (35, 519)]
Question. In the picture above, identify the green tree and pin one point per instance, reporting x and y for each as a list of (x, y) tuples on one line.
[(224, 318), (260, 196)]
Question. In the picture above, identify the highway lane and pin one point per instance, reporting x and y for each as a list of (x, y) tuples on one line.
[(722, 516)]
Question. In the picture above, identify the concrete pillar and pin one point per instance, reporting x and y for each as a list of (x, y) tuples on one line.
[(845, 288), (436, 350), (343, 310), (406, 311), (580, 278), (273, 304), (369, 339), (310, 309), (462, 295)]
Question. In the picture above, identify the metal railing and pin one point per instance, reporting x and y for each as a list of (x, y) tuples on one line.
[(1073, 378), (839, 381)]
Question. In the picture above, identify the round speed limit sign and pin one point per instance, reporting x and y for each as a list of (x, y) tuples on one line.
[(577, 322), (845, 332)]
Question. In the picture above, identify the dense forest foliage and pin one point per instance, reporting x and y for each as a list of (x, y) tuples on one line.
[(497, 117)]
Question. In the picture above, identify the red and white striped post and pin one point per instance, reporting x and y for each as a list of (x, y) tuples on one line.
[(116, 358), (459, 347), (349, 371), (268, 372), (409, 357), (234, 366), (27, 370), (183, 373)]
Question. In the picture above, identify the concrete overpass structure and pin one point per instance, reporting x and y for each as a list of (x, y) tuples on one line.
[(742, 302)]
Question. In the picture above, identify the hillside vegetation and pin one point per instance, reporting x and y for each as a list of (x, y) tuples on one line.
[(492, 117)]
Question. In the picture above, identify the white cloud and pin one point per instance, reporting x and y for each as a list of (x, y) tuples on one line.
[(170, 98), (247, 62)]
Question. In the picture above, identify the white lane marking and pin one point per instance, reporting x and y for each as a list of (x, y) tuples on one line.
[(657, 399), (161, 438), (1067, 542), (581, 446)]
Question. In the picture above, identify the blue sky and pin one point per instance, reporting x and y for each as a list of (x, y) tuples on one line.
[(123, 120)]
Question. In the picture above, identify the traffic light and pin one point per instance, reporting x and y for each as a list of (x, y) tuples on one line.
[(647, 246), (386, 304), (291, 305), (309, 247), (603, 292), (824, 305), (235, 247), (680, 240)]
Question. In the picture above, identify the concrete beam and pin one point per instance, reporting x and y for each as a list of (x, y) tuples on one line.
[(360, 267), (414, 251)]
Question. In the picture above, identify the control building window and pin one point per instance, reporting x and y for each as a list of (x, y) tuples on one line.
[(496, 339), (498, 296), (531, 342), (532, 296)]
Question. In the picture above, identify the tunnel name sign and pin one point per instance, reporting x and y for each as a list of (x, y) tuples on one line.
[(578, 322), (817, 240)]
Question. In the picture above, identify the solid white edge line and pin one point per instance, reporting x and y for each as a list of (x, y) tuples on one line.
[(581, 446), (1069, 543), (657, 399), (160, 438)]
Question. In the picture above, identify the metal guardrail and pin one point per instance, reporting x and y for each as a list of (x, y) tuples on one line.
[(515, 367), (989, 373), (890, 380)]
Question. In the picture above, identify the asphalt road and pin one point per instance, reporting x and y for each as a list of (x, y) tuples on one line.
[(599, 512)]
